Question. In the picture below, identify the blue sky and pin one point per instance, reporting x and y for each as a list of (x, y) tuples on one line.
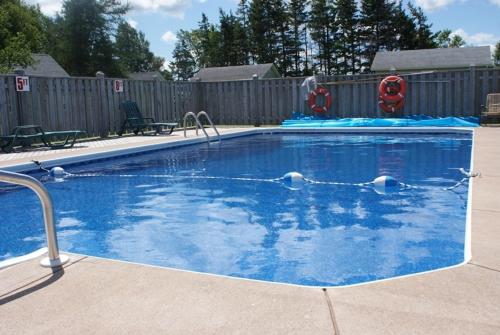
[(477, 21)]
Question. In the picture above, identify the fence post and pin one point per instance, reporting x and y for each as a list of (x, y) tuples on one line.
[(157, 106), (103, 113), (473, 95), (257, 105), (197, 95)]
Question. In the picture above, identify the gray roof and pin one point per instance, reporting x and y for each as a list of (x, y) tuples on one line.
[(432, 59), (240, 72), (44, 66), (153, 75)]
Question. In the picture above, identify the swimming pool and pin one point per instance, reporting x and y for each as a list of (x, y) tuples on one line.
[(222, 209)]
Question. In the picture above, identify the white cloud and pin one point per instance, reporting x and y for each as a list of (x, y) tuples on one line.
[(175, 8), (478, 38), (495, 2), (432, 5), (169, 37), (132, 23), (48, 7)]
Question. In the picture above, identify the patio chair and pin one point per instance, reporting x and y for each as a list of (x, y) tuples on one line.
[(29, 134), (137, 123), (492, 109)]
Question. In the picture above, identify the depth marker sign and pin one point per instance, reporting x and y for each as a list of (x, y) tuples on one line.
[(22, 84), (118, 86)]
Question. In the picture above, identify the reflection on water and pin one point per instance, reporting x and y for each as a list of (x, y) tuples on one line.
[(317, 235)]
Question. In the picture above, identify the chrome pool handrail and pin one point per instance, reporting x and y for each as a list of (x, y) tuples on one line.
[(203, 113), (198, 124), (53, 259)]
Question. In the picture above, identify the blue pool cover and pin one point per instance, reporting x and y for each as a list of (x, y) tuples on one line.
[(301, 121)]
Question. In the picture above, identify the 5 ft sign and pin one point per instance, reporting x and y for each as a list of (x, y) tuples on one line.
[(22, 84)]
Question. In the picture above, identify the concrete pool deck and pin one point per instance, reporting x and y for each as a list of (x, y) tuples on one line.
[(92, 295)]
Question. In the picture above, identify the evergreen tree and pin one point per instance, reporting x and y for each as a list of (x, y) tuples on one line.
[(132, 50), (283, 36), (297, 15), (457, 41), (348, 25), (86, 26), (377, 33), (206, 44), (243, 36), (404, 28), (446, 39), (21, 34), (183, 66), (323, 31), (424, 35), (231, 35), (263, 38)]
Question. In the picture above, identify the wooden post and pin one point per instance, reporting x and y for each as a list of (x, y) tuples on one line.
[(103, 112), (197, 95), (257, 105), (473, 90), (157, 106)]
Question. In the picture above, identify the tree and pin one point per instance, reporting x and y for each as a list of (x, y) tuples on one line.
[(263, 34), (86, 27), (298, 15), (231, 36), (496, 54), (446, 39), (132, 50), (322, 29), (457, 41), (242, 14), (424, 37), (183, 66), (279, 15), (376, 33), (348, 24), (21, 34), (404, 28), (205, 43)]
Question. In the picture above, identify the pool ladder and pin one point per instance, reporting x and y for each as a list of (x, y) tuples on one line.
[(54, 259), (196, 118)]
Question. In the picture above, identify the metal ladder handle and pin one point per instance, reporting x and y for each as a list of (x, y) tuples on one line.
[(53, 259), (198, 124), (203, 113)]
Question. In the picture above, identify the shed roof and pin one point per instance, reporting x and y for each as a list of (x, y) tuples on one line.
[(152, 75), (432, 59), (44, 66), (239, 72)]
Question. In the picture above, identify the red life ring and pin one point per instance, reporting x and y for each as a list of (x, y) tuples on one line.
[(390, 106), (392, 88), (311, 100)]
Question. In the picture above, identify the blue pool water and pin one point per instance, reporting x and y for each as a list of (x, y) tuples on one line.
[(163, 208)]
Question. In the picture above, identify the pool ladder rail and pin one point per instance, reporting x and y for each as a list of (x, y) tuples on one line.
[(196, 118), (54, 259)]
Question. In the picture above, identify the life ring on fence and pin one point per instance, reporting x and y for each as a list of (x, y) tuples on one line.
[(390, 106), (392, 88), (311, 100)]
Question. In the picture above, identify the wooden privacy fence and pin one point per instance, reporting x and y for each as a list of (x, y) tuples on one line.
[(91, 104)]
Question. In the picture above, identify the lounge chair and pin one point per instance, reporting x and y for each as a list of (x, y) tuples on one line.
[(29, 134), (492, 109), (135, 121)]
